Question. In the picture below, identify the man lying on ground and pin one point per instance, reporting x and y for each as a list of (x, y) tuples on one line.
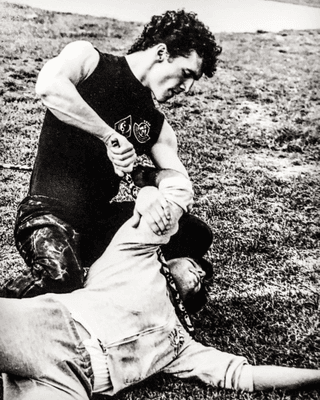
[(126, 324)]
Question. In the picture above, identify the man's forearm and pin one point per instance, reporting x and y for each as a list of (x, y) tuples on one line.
[(151, 176), (57, 87), (73, 110), (273, 377)]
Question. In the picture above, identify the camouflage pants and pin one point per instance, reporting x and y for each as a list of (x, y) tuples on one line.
[(49, 247)]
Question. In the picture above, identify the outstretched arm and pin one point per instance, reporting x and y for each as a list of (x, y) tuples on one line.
[(228, 371), (274, 377)]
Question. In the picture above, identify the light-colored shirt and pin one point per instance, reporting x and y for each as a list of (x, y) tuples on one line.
[(127, 304)]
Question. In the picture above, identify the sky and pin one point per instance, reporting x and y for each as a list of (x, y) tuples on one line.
[(219, 15)]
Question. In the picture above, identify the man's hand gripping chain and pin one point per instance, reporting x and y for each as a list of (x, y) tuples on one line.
[(127, 178)]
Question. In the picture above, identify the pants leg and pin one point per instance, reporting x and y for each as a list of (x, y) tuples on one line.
[(30, 389), (50, 249), (55, 254), (41, 353)]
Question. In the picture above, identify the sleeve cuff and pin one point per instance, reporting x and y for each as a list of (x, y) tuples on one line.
[(178, 190)]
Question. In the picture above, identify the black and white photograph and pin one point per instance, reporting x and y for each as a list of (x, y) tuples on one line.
[(160, 200)]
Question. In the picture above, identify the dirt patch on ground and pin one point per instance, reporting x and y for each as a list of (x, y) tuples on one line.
[(278, 165)]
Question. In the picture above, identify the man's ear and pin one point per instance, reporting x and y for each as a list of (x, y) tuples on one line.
[(161, 51)]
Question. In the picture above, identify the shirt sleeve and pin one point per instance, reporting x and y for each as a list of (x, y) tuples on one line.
[(213, 367), (178, 190)]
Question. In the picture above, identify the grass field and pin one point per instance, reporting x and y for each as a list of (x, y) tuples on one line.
[(250, 139)]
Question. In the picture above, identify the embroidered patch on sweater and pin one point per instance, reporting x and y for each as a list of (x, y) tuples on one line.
[(124, 126), (141, 131), (176, 338)]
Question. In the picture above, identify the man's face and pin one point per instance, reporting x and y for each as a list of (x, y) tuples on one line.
[(172, 76), (188, 276)]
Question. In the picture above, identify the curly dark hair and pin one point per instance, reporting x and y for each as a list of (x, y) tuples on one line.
[(182, 32)]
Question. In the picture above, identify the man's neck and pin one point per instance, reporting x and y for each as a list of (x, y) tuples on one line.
[(140, 64)]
